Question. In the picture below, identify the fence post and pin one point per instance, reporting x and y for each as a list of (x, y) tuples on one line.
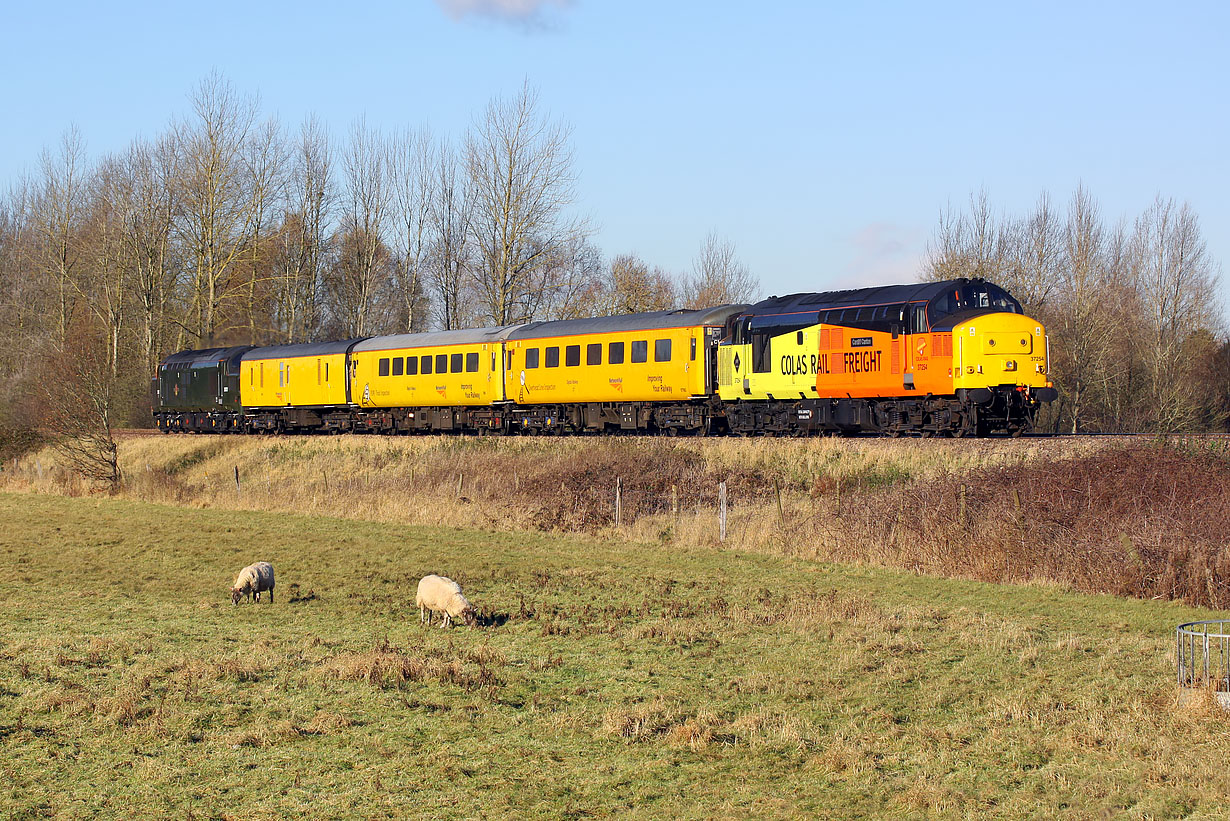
[(238, 490), (961, 507), (619, 502), (460, 483), (722, 512), (675, 500), (38, 464), (781, 513)]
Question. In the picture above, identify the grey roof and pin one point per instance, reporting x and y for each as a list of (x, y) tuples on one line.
[(882, 295), (654, 320), (306, 349), (205, 356), (468, 336)]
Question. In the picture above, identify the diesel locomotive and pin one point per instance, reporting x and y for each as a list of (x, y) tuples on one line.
[(956, 358)]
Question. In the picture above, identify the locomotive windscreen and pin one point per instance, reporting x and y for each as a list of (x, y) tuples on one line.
[(968, 299)]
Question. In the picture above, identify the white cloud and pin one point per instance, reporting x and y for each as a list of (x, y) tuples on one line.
[(883, 254), (526, 12)]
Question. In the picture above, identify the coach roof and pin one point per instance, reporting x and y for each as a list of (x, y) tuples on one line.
[(652, 321), (305, 349), (434, 339)]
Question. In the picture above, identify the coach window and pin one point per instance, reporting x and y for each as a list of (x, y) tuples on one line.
[(456, 363), (593, 354), (640, 350), (572, 356), (553, 357), (397, 366), (412, 366), (426, 363), (531, 357), (384, 367), (661, 350), (471, 363), (615, 353)]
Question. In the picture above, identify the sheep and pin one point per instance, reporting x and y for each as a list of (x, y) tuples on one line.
[(439, 593), (252, 581)]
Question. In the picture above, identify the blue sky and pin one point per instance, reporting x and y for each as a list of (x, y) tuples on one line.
[(823, 139)]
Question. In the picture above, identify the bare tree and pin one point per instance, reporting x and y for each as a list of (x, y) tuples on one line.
[(966, 245), (521, 174), (1176, 281), (218, 214), (302, 242), (80, 406), (451, 259), (718, 277), (632, 286), (363, 268), (412, 177), (571, 286), (265, 158), (148, 207), (55, 216)]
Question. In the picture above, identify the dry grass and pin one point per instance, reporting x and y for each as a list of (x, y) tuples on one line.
[(1094, 515), (611, 679)]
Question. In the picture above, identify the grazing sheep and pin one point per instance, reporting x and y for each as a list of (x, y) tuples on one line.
[(439, 593), (253, 580)]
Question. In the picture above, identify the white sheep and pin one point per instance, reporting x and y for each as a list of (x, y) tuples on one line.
[(439, 593), (252, 581)]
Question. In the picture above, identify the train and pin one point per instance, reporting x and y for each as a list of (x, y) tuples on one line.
[(952, 358)]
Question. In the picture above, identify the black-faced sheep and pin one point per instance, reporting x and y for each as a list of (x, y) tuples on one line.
[(442, 594), (252, 581)]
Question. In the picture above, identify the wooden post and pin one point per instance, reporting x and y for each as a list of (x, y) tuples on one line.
[(781, 513), (237, 487), (961, 507), (460, 483), (516, 480), (675, 500), (38, 464), (722, 512), (619, 502)]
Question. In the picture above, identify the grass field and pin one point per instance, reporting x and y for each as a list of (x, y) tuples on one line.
[(613, 678)]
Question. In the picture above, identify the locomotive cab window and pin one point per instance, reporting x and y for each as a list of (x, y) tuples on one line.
[(615, 353), (426, 362), (553, 356), (471, 363), (572, 356), (761, 352), (441, 363), (640, 350), (531, 357), (593, 354), (398, 364), (412, 366), (456, 363), (661, 350)]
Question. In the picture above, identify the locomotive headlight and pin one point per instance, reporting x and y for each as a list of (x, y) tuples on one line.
[(969, 369), (1010, 365)]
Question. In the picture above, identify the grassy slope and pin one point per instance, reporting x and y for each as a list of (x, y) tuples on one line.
[(625, 678)]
